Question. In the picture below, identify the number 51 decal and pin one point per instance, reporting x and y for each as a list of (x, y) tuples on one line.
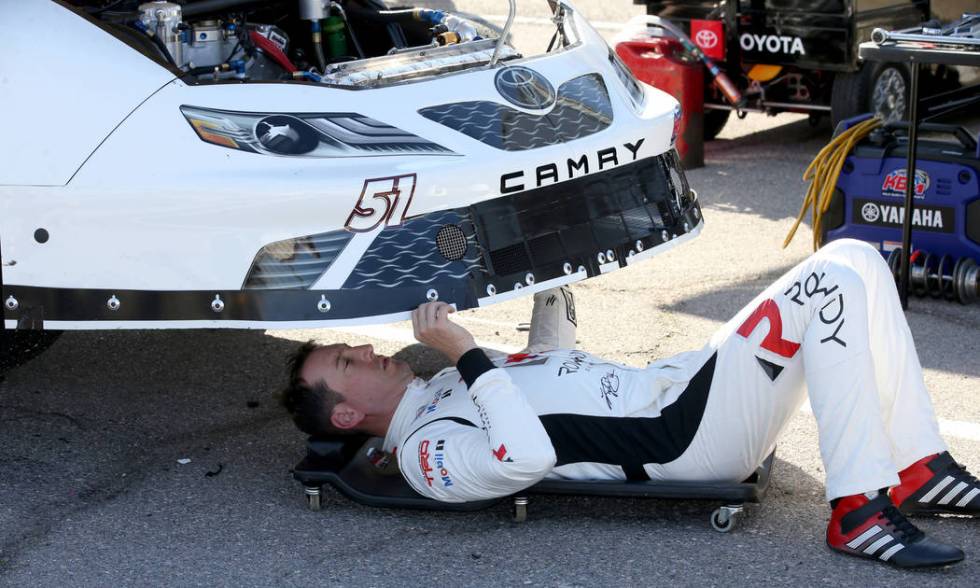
[(383, 200)]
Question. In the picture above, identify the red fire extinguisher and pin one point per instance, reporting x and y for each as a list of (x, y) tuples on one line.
[(663, 63)]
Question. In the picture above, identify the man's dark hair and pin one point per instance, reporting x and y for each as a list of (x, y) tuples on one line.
[(309, 403)]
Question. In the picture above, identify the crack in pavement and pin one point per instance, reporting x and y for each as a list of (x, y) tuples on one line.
[(39, 415)]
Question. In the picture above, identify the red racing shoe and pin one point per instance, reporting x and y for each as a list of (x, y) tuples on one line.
[(872, 528), (937, 484)]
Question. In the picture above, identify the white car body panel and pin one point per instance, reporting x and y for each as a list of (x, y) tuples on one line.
[(156, 209), (65, 85)]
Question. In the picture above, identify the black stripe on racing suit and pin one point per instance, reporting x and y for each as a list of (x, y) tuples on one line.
[(631, 442)]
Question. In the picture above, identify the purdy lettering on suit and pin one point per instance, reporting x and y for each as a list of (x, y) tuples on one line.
[(549, 173)]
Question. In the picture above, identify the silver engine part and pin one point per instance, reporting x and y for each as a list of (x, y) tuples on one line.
[(163, 18), (462, 27), (410, 64), (209, 44), (313, 9), (212, 42)]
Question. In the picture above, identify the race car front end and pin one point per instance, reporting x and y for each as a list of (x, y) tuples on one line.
[(435, 173)]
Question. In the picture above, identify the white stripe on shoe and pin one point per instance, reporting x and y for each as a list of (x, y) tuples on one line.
[(953, 493), (937, 489), (872, 532), (891, 551), (969, 496), (878, 544)]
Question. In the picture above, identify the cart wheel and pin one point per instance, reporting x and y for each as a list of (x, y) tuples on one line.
[(313, 497), (724, 518), (714, 120), (889, 86), (520, 509)]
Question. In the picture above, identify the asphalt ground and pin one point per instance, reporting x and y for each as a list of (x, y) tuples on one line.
[(92, 494)]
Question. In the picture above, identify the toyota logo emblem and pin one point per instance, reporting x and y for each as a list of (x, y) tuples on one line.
[(525, 88), (706, 39)]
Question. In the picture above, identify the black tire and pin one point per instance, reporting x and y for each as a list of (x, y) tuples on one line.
[(714, 121), (19, 347), (889, 89), (849, 95), (878, 88)]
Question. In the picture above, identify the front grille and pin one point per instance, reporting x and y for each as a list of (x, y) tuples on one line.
[(582, 108), (546, 249), (295, 263), (578, 218), (642, 220), (510, 260)]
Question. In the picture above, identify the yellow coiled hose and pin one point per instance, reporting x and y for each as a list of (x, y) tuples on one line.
[(822, 173)]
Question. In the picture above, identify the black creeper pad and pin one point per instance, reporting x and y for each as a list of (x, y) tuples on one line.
[(343, 464)]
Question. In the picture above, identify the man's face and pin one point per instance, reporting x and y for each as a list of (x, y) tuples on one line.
[(367, 381)]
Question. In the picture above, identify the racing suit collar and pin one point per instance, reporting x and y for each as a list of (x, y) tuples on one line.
[(404, 414)]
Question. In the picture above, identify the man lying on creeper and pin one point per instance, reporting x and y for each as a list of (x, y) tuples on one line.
[(831, 326)]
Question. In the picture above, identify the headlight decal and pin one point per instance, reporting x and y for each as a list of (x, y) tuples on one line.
[(321, 135)]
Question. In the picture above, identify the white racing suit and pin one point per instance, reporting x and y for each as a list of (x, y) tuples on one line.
[(831, 325)]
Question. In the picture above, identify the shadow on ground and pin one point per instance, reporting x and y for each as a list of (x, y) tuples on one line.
[(85, 432), (776, 158), (92, 431)]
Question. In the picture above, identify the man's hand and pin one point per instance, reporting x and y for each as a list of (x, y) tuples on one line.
[(433, 328)]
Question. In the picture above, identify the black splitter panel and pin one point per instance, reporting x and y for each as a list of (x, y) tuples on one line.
[(545, 233)]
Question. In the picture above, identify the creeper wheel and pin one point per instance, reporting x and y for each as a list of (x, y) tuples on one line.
[(520, 509), (724, 518), (313, 495)]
